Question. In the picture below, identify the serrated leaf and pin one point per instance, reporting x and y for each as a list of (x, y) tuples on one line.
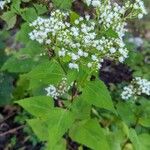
[(18, 65), (61, 145), (52, 126), (144, 121), (144, 139), (37, 106), (59, 122), (134, 139), (22, 34), (49, 72), (96, 93), (62, 4), (29, 14), (10, 18), (15, 6), (81, 109), (125, 111), (39, 127), (41, 9), (90, 134)]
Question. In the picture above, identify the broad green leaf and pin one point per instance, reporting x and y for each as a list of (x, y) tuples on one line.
[(15, 6), (115, 140), (134, 139), (81, 109), (52, 126), (22, 34), (59, 121), (90, 134), (62, 4), (80, 76), (49, 72), (10, 18), (37, 106), (40, 128), (96, 93), (144, 139), (41, 9), (19, 65), (125, 111), (21, 87), (29, 14), (61, 145), (144, 121), (32, 49)]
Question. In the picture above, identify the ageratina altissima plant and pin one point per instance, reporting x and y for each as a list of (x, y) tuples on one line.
[(83, 110), (86, 40), (136, 88)]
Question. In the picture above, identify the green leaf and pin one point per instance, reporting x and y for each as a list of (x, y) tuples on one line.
[(22, 35), (10, 18), (144, 139), (18, 65), (81, 109), (144, 121), (62, 4), (32, 49), (60, 120), (37, 106), (61, 145), (90, 134), (29, 14), (41, 9), (15, 6), (125, 111), (39, 127), (52, 126), (73, 17), (111, 33), (49, 72), (134, 139), (79, 76), (96, 93)]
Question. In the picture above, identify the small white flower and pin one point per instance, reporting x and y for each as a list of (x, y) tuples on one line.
[(89, 65), (121, 59), (94, 58), (73, 66), (48, 41), (140, 16), (112, 50), (96, 3)]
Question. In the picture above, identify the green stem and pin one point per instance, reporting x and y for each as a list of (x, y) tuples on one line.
[(58, 60)]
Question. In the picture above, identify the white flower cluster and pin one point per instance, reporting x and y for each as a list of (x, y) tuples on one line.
[(111, 16), (3, 3), (138, 8), (137, 87), (77, 43), (57, 91), (46, 28), (83, 41)]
